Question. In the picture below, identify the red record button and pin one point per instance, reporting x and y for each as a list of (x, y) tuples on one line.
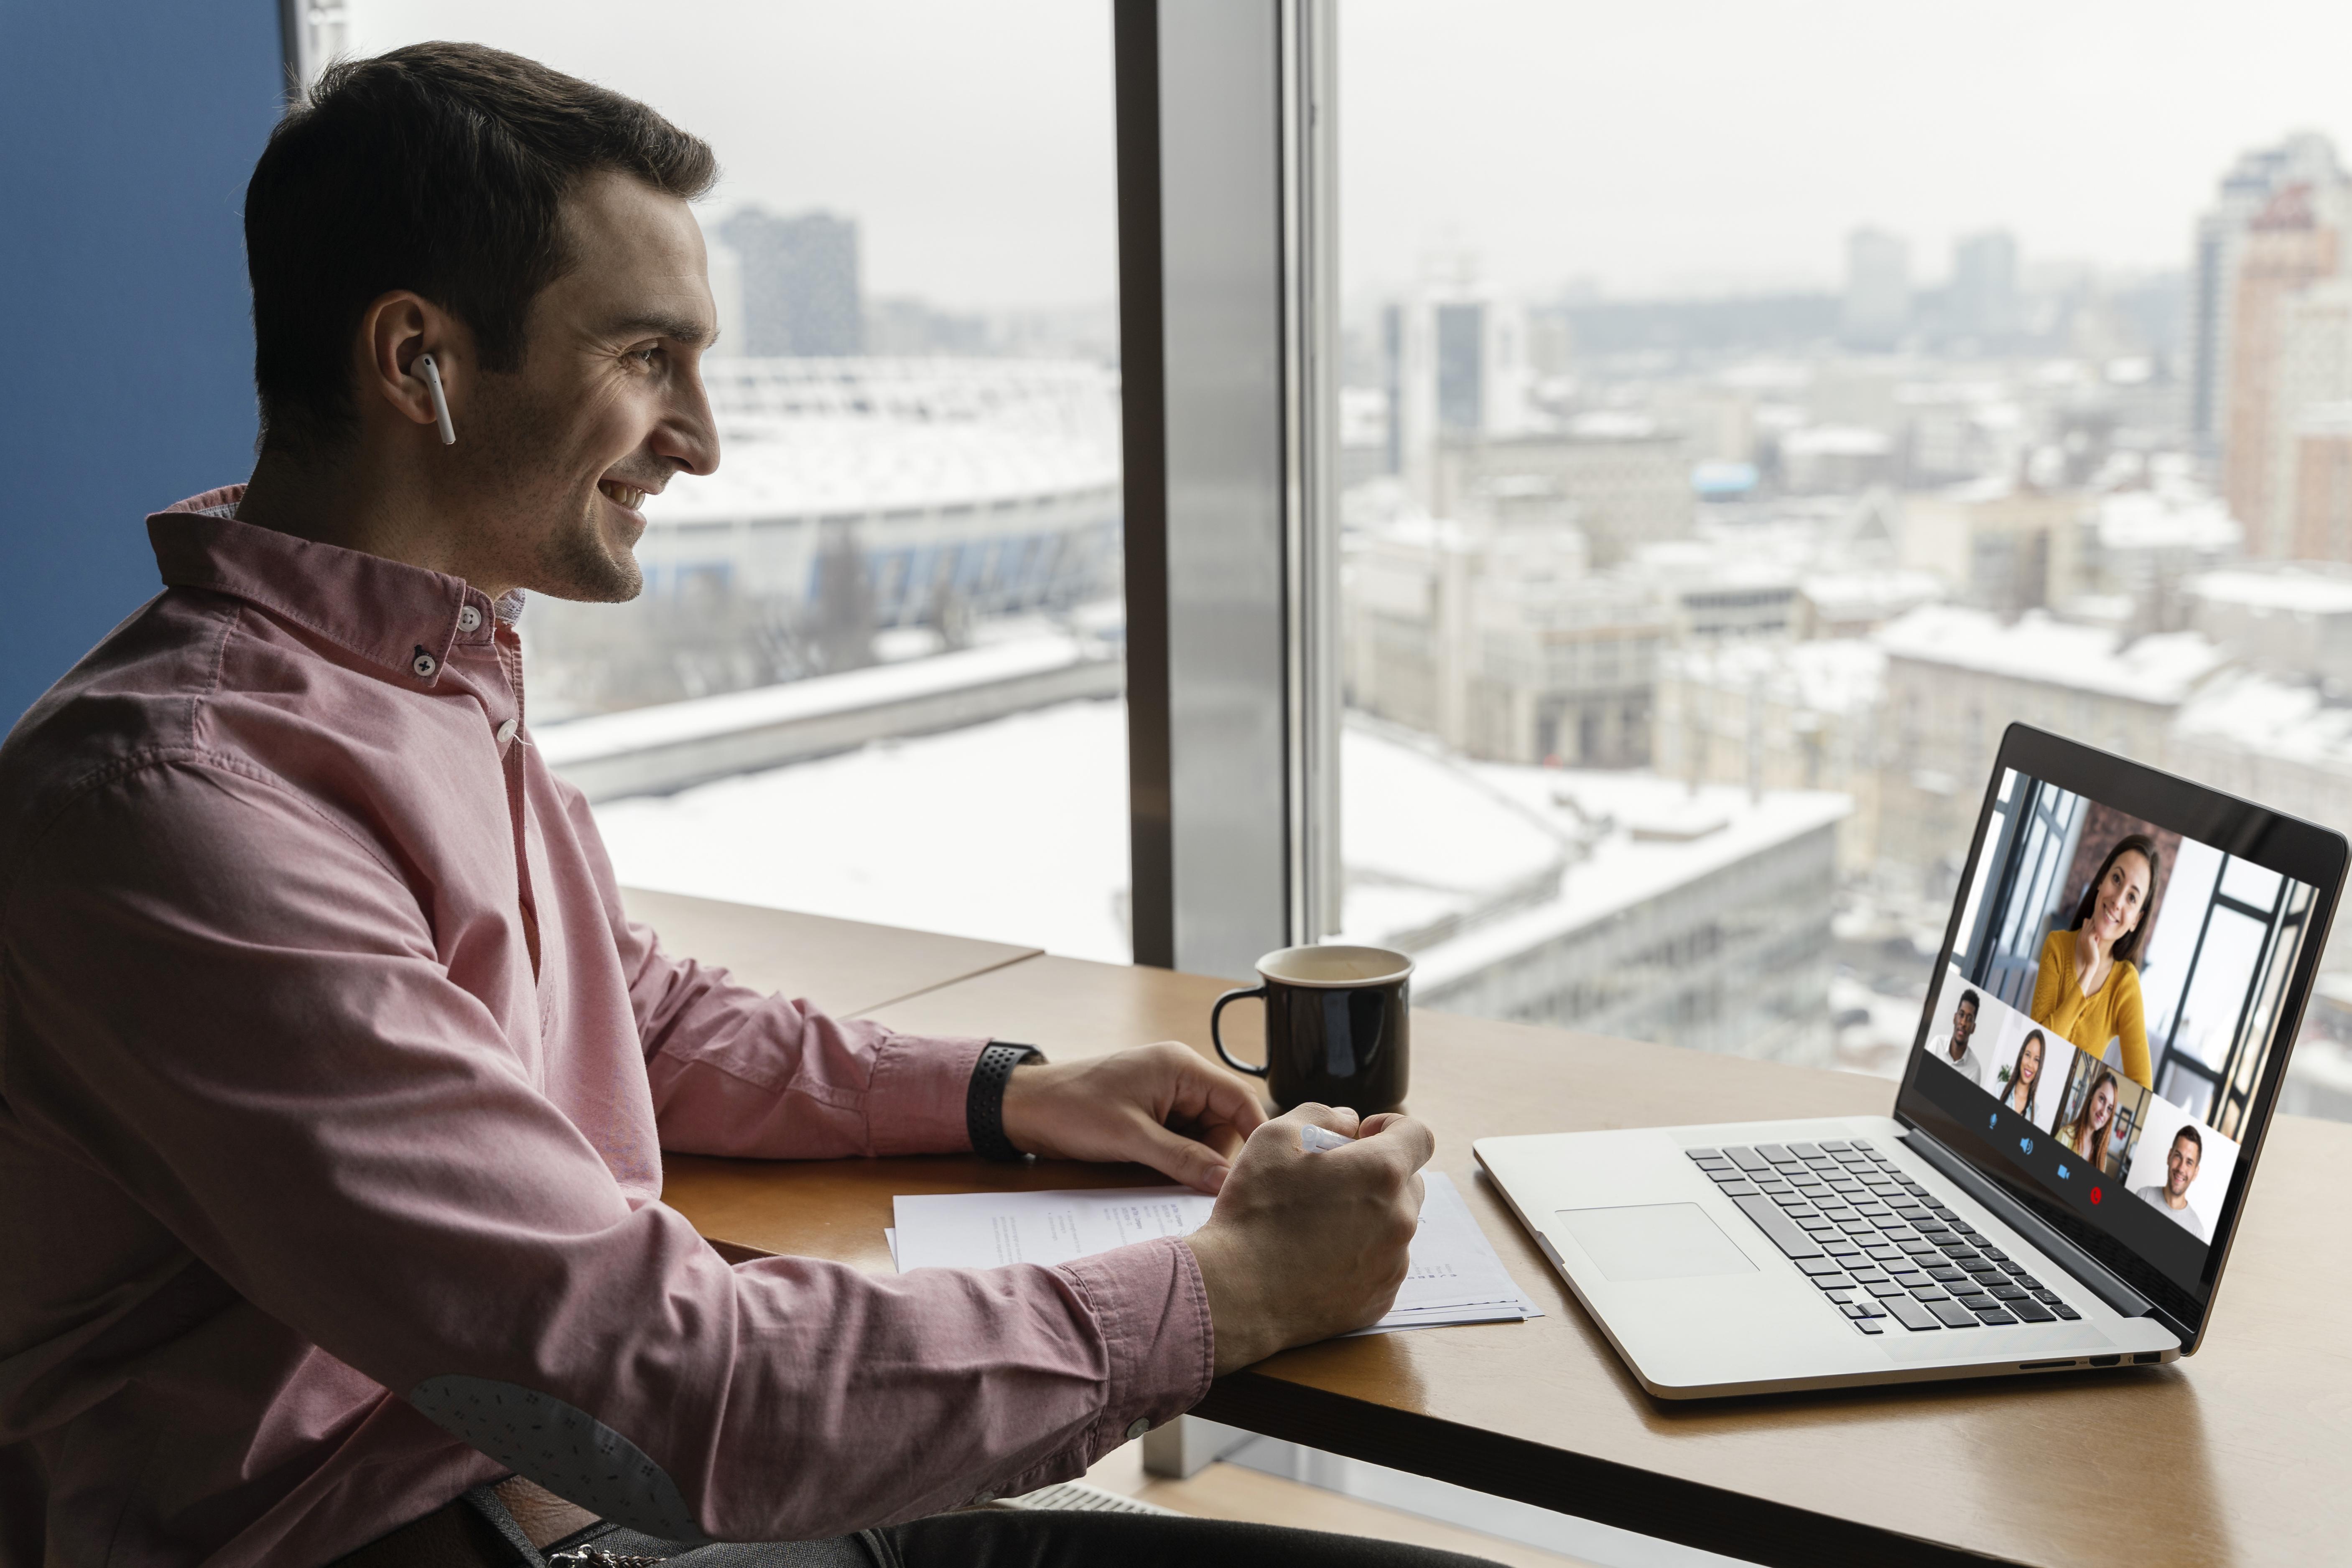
[(2094, 1194)]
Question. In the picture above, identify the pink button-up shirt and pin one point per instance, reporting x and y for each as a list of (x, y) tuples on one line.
[(331, 1073)]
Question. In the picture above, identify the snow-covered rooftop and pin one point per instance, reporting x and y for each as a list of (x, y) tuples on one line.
[(2161, 669), (2153, 519), (802, 439), (1869, 596), (1016, 830), (1831, 674), (2296, 593), (2273, 717)]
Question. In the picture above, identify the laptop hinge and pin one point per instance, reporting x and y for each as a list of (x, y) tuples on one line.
[(2102, 1281)]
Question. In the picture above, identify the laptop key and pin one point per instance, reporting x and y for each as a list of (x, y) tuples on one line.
[(1819, 1266), (1871, 1325), (1748, 1159), (1740, 1189), (1912, 1315), (1778, 1227), (2064, 1310), (1817, 1227), (1975, 1302), (1833, 1145), (1994, 1319), (2032, 1311), (1703, 1154), (1952, 1315), (2007, 1293), (1864, 1308), (1726, 1174), (1888, 1290)]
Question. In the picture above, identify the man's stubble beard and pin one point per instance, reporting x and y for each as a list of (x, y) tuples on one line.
[(551, 546)]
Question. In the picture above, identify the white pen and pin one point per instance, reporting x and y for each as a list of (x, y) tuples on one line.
[(1312, 1138)]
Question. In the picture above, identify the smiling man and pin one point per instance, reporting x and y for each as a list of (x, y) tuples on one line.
[(334, 1081)]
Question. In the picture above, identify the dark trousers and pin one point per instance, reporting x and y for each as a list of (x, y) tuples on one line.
[(1026, 1538)]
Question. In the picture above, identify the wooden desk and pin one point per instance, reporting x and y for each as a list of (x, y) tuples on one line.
[(2235, 1455), (845, 966)]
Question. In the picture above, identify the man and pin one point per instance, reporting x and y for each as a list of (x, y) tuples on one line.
[(1953, 1049), (2171, 1195), (333, 1080)]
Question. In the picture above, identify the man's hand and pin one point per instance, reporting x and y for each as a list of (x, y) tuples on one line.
[(1162, 1106), (1302, 1246)]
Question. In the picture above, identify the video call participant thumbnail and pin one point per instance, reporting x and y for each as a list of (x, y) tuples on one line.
[(2171, 1195), (2086, 988), (2024, 1083), (1953, 1049), (2088, 1130)]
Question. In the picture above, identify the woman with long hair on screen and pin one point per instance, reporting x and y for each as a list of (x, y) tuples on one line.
[(2025, 1076), (2095, 1121), (2086, 990)]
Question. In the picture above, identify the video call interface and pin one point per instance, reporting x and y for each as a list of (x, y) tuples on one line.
[(2111, 1005)]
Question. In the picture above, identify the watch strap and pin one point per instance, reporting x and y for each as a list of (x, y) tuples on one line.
[(983, 1102)]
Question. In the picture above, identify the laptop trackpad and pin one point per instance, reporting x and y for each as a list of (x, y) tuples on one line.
[(1654, 1241)]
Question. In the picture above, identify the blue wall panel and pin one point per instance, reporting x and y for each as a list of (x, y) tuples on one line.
[(126, 381)]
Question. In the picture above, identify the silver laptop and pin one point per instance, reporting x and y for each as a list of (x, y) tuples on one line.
[(2068, 1153)]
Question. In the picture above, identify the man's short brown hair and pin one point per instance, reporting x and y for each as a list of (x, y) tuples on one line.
[(440, 168)]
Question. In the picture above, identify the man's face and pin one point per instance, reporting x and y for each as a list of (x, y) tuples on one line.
[(608, 404), (1964, 1024), (2180, 1167)]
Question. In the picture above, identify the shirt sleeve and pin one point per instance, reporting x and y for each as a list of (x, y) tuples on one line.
[(2130, 1021), (740, 1073), (233, 1007)]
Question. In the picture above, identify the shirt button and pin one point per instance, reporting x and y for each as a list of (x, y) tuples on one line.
[(1137, 1427), (469, 619), (424, 664), (506, 731)]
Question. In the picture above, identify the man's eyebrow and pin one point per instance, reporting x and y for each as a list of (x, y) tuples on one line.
[(685, 329)]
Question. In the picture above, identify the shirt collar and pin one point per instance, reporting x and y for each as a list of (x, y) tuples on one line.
[(390, 613)]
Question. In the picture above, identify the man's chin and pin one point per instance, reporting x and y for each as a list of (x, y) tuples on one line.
[(591, 569)]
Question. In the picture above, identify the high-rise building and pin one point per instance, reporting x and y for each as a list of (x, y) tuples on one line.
[(799, 283), (2308, 160), (2312, 384), (1456, 374), (1877, 288), (2293, 242), (1983, 302)]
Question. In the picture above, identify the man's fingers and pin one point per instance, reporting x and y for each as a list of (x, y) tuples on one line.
[(1212, 1095), (1172, 1154), (1331, 1117), (1402, 1136)]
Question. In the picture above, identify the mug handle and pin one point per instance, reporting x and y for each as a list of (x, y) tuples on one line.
[(1218, 1040)]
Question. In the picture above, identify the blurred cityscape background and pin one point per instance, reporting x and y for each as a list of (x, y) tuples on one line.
[(1686, 591)]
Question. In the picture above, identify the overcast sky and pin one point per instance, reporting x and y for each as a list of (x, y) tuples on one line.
[(1670, 146)]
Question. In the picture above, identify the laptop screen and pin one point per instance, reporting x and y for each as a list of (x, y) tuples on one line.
[(2114, 1004)]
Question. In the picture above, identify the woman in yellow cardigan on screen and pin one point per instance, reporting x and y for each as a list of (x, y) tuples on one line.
[(2086, 988)]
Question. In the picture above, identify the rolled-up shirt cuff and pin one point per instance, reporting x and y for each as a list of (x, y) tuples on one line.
[(915, 1099), (1153, 1311)]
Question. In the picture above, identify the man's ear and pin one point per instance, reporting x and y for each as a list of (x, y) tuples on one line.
[(395, 332)]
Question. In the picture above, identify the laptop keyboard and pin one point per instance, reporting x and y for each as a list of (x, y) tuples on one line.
[(1879, 1247)]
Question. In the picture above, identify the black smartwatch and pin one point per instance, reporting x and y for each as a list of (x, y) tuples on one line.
[(983, 1102)]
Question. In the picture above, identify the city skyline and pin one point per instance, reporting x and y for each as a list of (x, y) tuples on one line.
[(2093, 135)]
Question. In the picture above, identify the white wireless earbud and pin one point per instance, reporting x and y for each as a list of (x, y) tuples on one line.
[(440, 399)]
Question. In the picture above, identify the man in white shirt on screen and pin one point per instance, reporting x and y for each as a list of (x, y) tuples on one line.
[(1953, 1049), (2171, 1195)]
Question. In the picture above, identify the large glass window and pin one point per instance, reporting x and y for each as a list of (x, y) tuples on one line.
[(1749, 416), (877, 668)]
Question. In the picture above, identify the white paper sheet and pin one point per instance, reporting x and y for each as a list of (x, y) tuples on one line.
[(1455, 1276)]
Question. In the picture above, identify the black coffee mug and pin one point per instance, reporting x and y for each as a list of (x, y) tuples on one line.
[(1337, 1027)]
